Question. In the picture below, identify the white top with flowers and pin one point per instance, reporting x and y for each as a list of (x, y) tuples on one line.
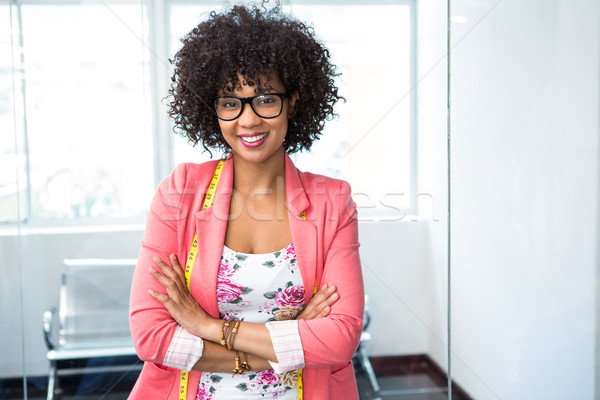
[(256, 288)]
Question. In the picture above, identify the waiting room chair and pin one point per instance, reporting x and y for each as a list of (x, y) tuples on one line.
[(93, 317)]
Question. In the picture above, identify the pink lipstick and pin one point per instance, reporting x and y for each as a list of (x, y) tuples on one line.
[(253, 139)]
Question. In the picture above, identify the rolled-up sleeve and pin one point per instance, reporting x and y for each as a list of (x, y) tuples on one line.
[(184, 351), (152, 327), (287, 346), (334, 339)]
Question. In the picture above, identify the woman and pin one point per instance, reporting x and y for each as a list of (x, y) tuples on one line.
[(259, 86)]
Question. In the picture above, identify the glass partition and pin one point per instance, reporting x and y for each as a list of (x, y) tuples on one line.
[(525, 104), (12, 206), (88, 138)]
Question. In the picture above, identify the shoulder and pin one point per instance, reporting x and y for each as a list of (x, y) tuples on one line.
[(330, 197), (184, 184), (188, 174), (316, 184)]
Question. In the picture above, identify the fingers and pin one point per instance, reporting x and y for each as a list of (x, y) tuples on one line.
[(176, 266), (172, 276), (323, 306), (320, 304), (324, 312), (324, 292), (325, 296), (163, 298)]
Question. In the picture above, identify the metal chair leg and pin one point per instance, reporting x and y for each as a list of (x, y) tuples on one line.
[(366, 364), (51, 380)]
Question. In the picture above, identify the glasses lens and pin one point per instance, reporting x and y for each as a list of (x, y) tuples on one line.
[(267, 105), (228, 107)]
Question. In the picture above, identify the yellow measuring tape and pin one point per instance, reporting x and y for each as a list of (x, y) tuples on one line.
[(189, 265)]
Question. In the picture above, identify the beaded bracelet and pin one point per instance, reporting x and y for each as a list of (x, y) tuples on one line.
[(224, 328), (231, 336), (240, 369), (228, 335)]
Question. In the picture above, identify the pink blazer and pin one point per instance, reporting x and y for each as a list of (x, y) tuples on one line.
[(326, 246)]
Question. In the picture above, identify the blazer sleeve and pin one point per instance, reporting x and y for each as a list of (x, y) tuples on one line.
[(152, 327), (334, 339)]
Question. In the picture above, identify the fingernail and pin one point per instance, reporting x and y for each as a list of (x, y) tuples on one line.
[(152, 270), (156, 259)]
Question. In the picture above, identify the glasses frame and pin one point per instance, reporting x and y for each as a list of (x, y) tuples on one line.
[(248, 100)]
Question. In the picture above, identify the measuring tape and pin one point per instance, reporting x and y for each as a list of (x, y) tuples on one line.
[(189, 265)]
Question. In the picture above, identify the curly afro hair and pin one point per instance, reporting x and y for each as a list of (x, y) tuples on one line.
[(257, 44)]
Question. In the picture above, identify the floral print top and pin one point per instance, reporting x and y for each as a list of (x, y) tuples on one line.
[(256, 288)]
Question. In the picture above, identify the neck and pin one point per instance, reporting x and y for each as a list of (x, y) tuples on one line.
[(248, 176)]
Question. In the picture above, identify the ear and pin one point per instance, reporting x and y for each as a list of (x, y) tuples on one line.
[(291, 103)]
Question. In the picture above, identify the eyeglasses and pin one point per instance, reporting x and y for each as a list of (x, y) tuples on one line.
[(268, 105)]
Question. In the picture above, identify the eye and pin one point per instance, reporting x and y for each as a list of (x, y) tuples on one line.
[(266, 100), (228, 103)]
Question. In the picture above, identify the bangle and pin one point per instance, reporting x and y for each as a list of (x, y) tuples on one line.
[(231, 336), (228, 332), (224, 328)]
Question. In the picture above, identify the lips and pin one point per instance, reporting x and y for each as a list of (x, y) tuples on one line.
[(254, 139)]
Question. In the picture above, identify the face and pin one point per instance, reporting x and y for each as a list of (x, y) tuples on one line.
[(256, 139)]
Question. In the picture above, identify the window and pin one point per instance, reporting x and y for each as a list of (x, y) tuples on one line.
[(87, 132), (93, 136), (11, 161), (373, 139)]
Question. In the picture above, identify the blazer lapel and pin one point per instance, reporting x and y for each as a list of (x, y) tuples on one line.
[(211, 226), (304, 232)]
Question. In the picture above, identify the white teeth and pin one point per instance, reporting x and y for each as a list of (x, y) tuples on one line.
[(252, 139)]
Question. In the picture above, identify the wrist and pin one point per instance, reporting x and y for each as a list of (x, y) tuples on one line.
[(210, 329)]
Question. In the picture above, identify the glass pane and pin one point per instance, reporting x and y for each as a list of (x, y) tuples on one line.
[(525, 111), (88, 122), (91, 156), (12, 369), (12, 152), (374, 130)]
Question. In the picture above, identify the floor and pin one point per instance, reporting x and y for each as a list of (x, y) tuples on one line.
[(400, 378)]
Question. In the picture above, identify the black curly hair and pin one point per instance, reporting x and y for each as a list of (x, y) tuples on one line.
[(256, 43)]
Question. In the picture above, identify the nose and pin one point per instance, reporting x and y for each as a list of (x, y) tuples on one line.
[(248, 118)]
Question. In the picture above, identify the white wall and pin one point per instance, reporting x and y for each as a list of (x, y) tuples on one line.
[(525, 154)]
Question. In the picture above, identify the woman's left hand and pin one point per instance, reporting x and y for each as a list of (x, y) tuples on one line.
[(178, 301)]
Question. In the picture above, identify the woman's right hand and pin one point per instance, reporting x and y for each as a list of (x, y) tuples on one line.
[(320, 304)]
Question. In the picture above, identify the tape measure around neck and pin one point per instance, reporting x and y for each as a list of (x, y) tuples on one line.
[(208, 200), (300, 383), (189, 264)]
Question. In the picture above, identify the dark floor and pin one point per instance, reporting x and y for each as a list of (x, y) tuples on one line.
[(399, 378)]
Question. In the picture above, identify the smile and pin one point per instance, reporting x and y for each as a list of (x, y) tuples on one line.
[(253, 139)]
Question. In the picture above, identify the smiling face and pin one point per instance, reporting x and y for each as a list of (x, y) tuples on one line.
[(252, 138)]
